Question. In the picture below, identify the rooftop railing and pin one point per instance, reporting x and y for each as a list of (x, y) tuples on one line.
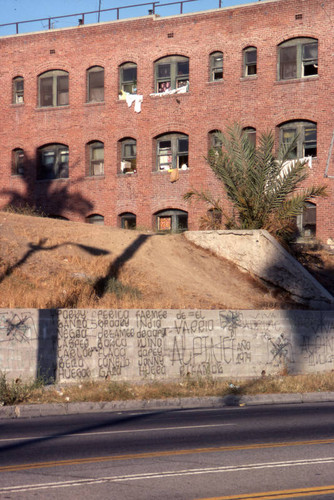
[(82, 16)]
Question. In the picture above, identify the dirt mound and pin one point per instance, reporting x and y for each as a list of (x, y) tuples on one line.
[(48, 263)]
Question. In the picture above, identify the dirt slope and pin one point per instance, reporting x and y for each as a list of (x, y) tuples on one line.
[(52, 263)]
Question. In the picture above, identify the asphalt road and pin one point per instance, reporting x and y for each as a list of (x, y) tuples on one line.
[(238, 453)]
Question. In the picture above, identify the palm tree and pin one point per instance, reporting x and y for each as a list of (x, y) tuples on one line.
[(264, 189)]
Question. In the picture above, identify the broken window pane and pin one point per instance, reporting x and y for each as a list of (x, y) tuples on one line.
[(298, 58)]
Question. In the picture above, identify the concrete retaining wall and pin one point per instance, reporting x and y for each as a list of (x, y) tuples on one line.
[(257, 252), (139, 345)]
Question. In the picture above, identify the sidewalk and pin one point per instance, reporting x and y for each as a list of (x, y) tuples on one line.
[(43, 410)]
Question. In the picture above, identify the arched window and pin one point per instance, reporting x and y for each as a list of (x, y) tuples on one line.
[(306, 134), (215, 140), (297, 58), (172, 151), (95, 158), (127, 220), (52, 161), (95, 84), (250, 61), (216, 66), (251, 134), (18, 161), (128, 78), (171, 73), (306, 221), (172, 220), (95, 219), (128, 155), (53, 88), (18, 90)]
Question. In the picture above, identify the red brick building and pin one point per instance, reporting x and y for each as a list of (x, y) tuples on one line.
[(94, 117)]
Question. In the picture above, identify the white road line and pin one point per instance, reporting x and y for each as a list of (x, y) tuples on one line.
[(160, 475), (129, 431)]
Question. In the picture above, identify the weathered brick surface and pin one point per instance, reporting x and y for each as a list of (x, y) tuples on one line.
[(261, 102)]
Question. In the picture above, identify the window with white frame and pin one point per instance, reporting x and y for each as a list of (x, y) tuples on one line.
[(17, 161), (53, 88), (95, 84), (172, 151), (95, 157), (171, 73), (128, 78), (52, 161), (305, 133), (18, 90), (250, 61), (298, 58), (216, 66), (128, 147)]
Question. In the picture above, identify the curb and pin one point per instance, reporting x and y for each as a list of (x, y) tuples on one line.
[(58, 409)]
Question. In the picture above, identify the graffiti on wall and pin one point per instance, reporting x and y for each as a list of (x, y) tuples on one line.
[(169, 344), (17, 327)]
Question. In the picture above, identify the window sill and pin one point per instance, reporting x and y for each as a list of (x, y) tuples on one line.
[(170, 94), (215, 82), (94, 103), (157, 172), (297, 80), (127, 174), (57, 179), (249, 78), (92, 177), (52, 108), (17, 104)]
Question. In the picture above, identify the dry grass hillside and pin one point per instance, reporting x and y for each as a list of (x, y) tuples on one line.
[(47, 263)]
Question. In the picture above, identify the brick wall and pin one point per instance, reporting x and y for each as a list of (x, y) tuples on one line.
[(261, 102)]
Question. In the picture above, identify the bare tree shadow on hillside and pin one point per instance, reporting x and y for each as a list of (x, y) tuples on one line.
[(101, 285), (41, 247), (54, 196)]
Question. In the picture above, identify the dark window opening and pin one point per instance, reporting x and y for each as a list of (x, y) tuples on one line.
[(95, 84), (53, 161), (307, 221), (128, 220), (18, 162)]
